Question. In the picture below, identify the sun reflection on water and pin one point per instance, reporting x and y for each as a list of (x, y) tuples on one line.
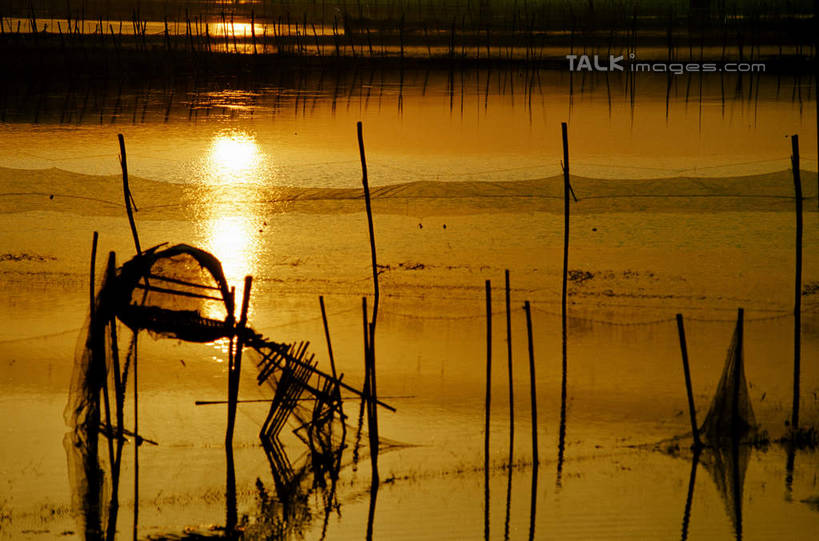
[(234, 157), (228, 223)]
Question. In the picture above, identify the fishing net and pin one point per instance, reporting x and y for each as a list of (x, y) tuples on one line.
[(179, 292), (730, 416)]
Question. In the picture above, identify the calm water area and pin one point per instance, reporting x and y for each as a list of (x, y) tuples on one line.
[(685, 205)]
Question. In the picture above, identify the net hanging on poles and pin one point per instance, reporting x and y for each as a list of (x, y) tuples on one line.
[(730, 416)]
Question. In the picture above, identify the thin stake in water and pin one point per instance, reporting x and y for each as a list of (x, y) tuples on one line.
[(488, 403), (369, 343), (129, 199), (691, 411), (797, 305), (509, 359), (527, 308), (327, 337)]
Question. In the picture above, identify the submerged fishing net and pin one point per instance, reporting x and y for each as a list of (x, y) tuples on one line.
[(730, 415)]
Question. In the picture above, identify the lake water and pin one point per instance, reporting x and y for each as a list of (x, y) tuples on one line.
[(685, 204)]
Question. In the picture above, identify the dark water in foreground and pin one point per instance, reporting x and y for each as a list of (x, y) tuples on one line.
[(265, 178)]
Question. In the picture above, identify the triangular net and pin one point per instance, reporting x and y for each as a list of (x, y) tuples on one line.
[(730, 416)]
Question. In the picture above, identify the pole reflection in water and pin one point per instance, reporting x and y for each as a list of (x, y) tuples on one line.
[(790, 451), (371, 512), (533, 504), (692, 478)]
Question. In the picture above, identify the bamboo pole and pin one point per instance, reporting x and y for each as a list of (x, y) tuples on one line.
[(93, 276), (137, 441), (365, 182), (561, 445), (235, 367), (533, 503), (369, 344), (302, 399), (372, 410), (129, 199), (119, 392), (488, 400), (797, 307), (509, 359), (566, 185), (527, 308), (691, 411), (488, 404), (327, 337), (99, 335)]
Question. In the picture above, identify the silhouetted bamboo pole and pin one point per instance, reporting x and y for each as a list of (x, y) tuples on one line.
[(235, 367), (93, 276), (561, 445), (129, 199), (372, 414), (327, 337), (509, 359), (691, 411), (368, 205), (367, 398), (369, 345), (527, 308), (488, 403), (566, 186), (533, 503), (488, 364), (119, 392), (99, 337), (136, 438), (797, 307)]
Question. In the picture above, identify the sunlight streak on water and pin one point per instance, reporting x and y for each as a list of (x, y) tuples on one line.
[(234, 158), (229, 229)]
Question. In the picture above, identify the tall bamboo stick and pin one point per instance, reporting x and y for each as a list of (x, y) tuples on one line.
[(509, 360), (99, 336), (119, 392), (527, 308), (561, 445), (369, 352), (566, 185), (797, 305), (488, 403), (235, 367)]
